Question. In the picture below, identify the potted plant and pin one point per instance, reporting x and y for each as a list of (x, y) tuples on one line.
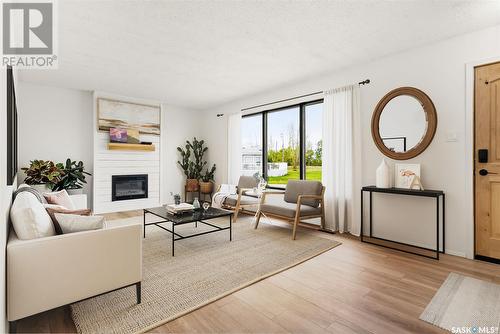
[(206, 181), (72, 178), (192, 165), (188, 167), (42, 175)]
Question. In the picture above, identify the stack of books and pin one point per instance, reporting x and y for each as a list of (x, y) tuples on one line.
[(180, 208)]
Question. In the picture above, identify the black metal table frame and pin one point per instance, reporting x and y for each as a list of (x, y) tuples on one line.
[(406, 192), (176, 236)]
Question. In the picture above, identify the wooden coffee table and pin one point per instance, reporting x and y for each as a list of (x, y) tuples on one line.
[(197, 216)]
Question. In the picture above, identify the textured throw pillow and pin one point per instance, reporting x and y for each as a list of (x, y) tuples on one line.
[(29, 218), (60, 198), (75, 223), (59, 209), (24, 187)]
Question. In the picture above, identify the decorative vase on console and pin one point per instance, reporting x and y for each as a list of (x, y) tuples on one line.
[(383, 175)]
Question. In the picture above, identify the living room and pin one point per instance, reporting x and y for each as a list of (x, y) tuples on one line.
[(250, 167)]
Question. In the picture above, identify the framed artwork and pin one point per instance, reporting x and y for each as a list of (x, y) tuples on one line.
[(405, 173), (133, 136), (117, 135), (11, 129), (120, 114), (395, 144)]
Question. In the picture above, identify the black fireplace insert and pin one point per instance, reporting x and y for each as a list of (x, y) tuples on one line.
[(126, 187)]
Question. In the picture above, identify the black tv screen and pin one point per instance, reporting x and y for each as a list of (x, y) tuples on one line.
[(11, 129)]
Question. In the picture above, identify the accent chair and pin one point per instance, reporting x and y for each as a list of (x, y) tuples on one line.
[(301, 200), (244, 198)]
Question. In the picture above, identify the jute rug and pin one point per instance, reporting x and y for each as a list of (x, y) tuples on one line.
[(465, 302), (204, 269)]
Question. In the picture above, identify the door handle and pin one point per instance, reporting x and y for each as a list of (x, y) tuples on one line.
[(484, 172)]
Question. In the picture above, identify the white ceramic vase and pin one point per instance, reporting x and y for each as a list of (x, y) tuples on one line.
[(383, 175)]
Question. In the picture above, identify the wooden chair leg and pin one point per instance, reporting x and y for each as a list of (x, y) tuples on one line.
[(257, 219), (295, 223), (236, 212)]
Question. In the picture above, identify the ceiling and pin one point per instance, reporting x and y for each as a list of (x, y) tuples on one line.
[(200, 54)]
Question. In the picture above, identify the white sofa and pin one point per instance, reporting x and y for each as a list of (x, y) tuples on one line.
[(49, 272)]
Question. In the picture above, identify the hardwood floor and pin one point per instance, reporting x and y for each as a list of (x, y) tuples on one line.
[(353, 288)]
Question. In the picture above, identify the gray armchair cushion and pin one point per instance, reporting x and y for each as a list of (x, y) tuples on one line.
[(245, 200), (247, 182), (275, 204), (294, 188)]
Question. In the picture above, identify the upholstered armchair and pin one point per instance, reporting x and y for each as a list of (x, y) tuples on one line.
[(244, 198), (301, 200)]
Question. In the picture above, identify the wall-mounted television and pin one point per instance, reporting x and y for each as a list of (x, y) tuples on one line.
[(11, 128)]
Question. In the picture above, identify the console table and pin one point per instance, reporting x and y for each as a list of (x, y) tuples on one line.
[(437, 194)]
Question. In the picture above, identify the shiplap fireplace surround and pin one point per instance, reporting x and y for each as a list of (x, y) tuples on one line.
[(109, 163)]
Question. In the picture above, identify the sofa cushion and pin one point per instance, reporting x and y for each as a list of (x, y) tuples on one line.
[(245, 200), (247, 182), (29, 218), (294, 188), (75, 223), (24, 187), (275, 204), (60, 198), (53, 210)]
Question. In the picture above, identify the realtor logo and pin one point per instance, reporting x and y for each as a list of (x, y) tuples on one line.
[(28, 34)]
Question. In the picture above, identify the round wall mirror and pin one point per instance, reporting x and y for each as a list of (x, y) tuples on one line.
[(404, 123)]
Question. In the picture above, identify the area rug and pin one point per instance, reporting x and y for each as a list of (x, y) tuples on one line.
[(204, 269), (465, 303)]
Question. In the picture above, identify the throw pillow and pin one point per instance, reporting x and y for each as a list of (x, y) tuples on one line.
[(25, 187), (60, 198), (74, 223), (29, 218), (58, 209)]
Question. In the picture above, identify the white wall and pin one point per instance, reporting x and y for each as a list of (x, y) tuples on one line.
[(55, 124), (438, 70), (179, 125)]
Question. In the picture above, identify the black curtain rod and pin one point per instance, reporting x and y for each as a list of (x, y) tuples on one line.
[(364, 82)]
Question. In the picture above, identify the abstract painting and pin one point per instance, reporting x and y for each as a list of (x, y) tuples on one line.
[(117, 135), (121, 114)]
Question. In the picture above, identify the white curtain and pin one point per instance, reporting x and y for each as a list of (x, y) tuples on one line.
[(342, 159), (234, 148)]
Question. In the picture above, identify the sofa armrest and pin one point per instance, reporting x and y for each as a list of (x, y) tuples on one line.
[(50, 272), (270, 192)]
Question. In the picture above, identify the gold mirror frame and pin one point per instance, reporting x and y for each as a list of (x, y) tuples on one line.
[(430, 116)]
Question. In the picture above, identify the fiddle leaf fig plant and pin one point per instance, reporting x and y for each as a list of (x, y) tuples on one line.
[(73, 175), (42, 172)]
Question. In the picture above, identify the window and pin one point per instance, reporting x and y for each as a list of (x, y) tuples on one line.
[(283, 144), (251, 145), (313, 141)]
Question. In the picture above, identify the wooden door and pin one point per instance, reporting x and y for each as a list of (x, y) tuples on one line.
[(487, 172)]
